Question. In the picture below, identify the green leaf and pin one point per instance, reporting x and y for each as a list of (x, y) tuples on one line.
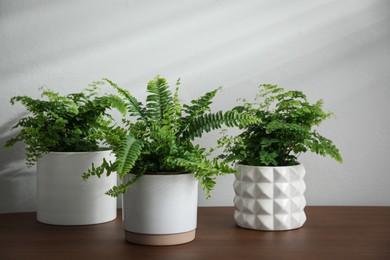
[(128, 153), (122, 188), (158, 99), (200, 105), (211, 121), (133, 105), (112, 101)]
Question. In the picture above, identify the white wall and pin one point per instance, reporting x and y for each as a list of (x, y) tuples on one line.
[(335, 50)]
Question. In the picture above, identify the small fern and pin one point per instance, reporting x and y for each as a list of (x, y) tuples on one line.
[(75, 122), (284, 130)]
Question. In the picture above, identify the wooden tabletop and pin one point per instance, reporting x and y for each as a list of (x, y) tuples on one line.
[(329, 233)]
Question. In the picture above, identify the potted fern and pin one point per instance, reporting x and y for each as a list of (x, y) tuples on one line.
[(160, 166), (269, 187), (62, 136)]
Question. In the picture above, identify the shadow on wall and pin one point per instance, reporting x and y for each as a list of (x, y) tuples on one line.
[(17, 182)]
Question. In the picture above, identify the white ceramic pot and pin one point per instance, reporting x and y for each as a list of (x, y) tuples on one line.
[(161, 209), (64, 198), (269, 198)]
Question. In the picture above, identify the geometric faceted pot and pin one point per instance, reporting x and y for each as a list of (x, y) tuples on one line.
[(64, 198), (269, 198), (161, 209)]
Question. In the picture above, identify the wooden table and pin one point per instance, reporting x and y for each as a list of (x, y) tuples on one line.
[(329, 233)]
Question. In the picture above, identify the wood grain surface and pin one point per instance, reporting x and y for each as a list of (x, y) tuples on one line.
[(329, 233)]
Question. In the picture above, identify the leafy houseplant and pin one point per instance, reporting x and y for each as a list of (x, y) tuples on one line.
[(285, 130), (62, 136), (161, 137), (72, 123), (158, 145), (270, 148)]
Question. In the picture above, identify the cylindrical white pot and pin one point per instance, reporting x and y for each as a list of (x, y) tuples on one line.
[(64, 198), (269, 198), (161, 209)]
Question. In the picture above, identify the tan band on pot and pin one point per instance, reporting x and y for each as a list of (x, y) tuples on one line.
[(160, 240)]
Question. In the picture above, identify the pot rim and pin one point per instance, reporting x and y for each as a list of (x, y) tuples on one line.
[(256, 166), (163, 173)]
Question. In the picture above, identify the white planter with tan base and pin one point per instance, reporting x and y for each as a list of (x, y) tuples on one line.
[(64, 198), (269, 198), (161, 210)]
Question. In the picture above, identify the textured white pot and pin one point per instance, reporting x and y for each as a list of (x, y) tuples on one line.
[(64, 198), (161, 209), (269, 198)]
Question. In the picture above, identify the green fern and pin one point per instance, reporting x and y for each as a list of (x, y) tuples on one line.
[(105, 168), (200, 105), (111, 101), (158, 135), (76, 122), (207, 122), (177, 107), (133, 105), (128, 153), (284, 131), (121, 188), (204, 170), (159, 98)]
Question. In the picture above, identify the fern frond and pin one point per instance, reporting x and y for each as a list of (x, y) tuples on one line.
[(205, 171), (127, 154), (177, 107), (114, 135), (112, 101), (323, 146), (122, 188), (158, 99), (134, 106), (222, 167), (105, 167), (200, 105), (208, 122)]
